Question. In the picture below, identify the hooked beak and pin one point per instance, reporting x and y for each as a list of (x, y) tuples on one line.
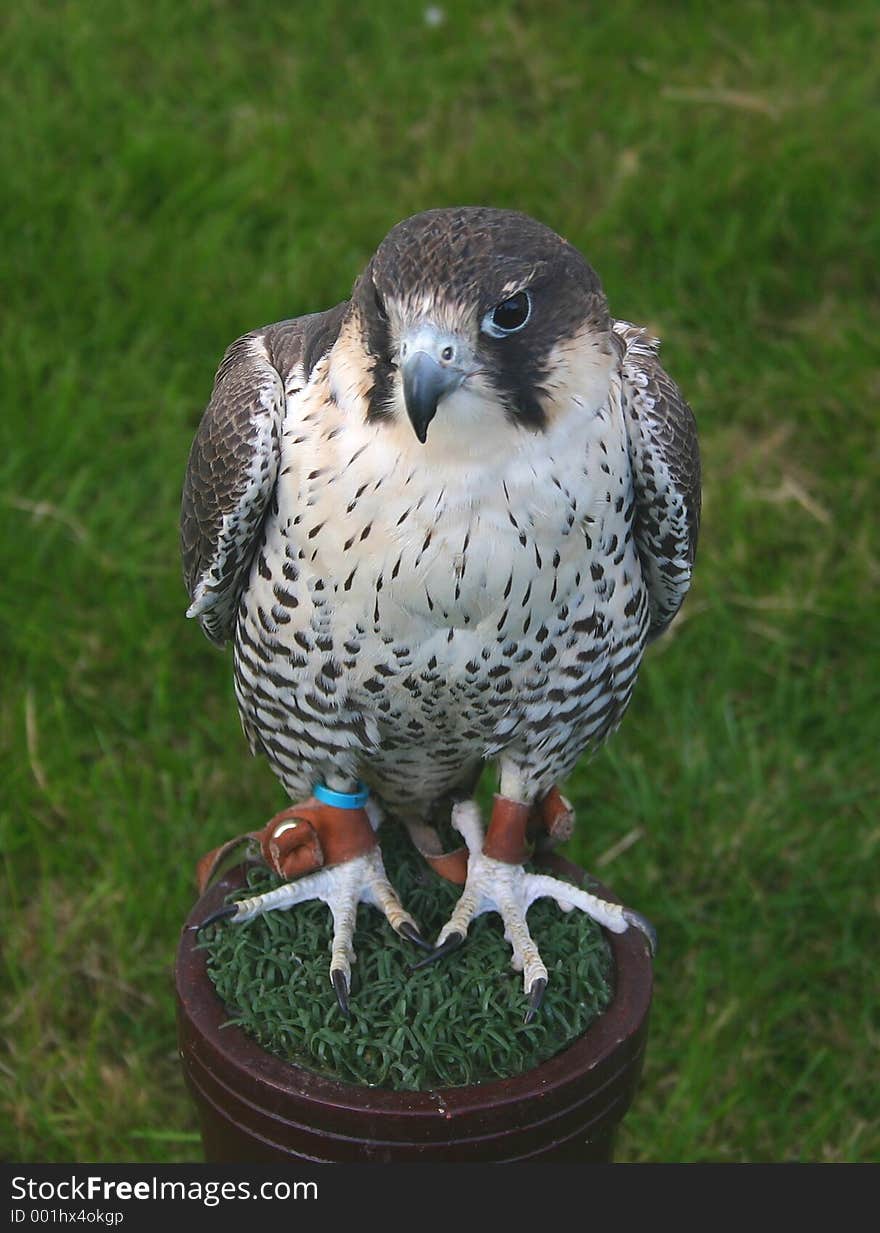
[(432, 368)]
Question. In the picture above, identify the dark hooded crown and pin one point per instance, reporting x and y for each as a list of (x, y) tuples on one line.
[(473, 257), (472, 252)]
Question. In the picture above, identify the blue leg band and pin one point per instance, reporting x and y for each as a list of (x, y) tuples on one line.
[(341, 800)]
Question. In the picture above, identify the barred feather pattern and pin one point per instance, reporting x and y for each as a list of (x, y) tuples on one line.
[(233, 465), (401, 619), (403, 624), (232, 470), (666, 473)]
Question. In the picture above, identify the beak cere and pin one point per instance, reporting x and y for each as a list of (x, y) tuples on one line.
[(429, 372)]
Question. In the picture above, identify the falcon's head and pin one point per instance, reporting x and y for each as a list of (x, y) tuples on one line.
[(476, 321)]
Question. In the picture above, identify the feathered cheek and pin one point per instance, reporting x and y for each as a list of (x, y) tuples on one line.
[(350, 373), (475, 402), (577, 378)]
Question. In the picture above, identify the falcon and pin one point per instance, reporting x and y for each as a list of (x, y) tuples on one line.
[(440, 523)]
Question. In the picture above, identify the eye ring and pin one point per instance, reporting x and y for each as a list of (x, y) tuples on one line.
[(508, 317)]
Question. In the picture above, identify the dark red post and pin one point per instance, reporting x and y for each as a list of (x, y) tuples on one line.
[(256, 1108)]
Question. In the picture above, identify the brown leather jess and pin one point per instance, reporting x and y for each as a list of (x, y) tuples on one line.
[(548, 823), (299, 840), (309, 835), (514, 828), (506, 837)]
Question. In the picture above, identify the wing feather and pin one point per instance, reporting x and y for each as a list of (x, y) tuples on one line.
[(233, 464), (666, 466)]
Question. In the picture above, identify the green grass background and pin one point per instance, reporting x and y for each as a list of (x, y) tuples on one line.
[(175, 174)]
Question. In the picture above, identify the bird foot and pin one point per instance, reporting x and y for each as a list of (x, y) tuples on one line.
[(335, 852), (498, 883)]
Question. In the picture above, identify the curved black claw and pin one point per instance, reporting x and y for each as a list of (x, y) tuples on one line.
[(220, 914), (644, 926), (439, 952), (412, 934), (536, 997), (340, 984)]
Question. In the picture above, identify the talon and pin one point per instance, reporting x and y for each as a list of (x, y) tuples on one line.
[(221, 914), (342, 887), (497, 882), (644, 925), (340, 984), (453, 941), (408, 931), (536, 997)]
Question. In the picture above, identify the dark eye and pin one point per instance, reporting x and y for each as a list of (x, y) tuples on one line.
[(508, 316)]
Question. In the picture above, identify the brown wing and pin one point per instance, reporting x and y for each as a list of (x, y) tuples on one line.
[(233, 464), (665, 457)]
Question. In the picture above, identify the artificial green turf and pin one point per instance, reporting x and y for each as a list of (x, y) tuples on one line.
[(176, 174), (450, 1024)]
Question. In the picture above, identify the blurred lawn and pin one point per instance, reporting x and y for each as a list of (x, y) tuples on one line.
[(175, 174)]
